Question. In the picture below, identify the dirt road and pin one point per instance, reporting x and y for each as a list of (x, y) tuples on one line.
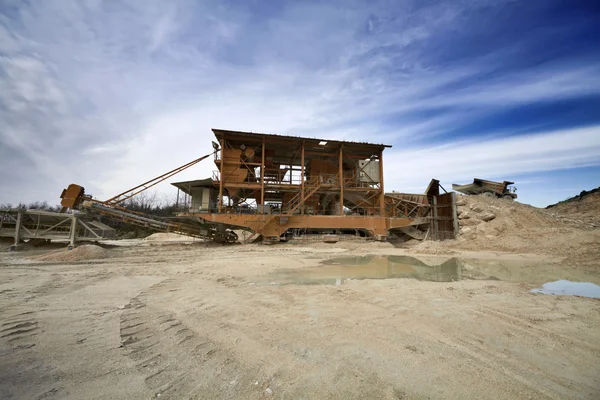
[(172, 320)]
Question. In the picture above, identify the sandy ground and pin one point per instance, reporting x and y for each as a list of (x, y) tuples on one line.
[(154, 319)]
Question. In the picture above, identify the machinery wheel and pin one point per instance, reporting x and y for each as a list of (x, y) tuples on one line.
[(487, 194), (231, 237), (507, 197)]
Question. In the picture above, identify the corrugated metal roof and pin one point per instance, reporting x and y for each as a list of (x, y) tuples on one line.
[(187, 185), (220, 132)]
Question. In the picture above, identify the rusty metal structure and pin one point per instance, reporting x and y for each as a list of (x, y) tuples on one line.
[(44, 226), (74, 197), (275, 186)]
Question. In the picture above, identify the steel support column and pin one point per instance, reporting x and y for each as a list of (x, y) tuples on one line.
[(302, 180), (221, 174), (382, 195), (18, 227), (262, 177), (436, 233), (341, 179), (454, 215), (73, 233)]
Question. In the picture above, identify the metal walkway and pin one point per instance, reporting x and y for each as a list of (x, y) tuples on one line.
[(44, 225), (218, 232)]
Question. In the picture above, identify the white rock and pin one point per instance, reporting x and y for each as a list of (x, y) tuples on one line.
[(269, 391), (477, 208), (470, 222), (487, 216)]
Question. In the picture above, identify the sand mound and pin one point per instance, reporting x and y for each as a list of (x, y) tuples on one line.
[(488, 224), (81, 253), (168, 237), (582, 209)]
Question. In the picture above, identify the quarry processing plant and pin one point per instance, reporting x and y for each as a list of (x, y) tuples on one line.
[(277, 187), (274, 185)]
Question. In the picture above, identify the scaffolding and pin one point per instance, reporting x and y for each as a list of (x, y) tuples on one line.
[(271, 184), (46, 226)]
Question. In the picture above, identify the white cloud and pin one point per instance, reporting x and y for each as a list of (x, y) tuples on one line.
[(498, 158), (108, 94)]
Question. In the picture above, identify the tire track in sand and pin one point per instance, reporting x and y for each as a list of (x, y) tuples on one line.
[(175, 360)]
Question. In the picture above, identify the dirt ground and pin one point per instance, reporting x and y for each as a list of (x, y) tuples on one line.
[(170, 319)]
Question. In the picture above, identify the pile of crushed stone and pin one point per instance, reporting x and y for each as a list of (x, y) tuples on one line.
[(584, 209), (168, 237), (80, 253), (490, 224)]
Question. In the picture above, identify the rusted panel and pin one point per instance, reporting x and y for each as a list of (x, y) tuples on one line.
[(71, 196), (381, 187), (262, 174), (443, 220), (278, 224), (433, 189), (341, 178), (220, 201), (256, 136)]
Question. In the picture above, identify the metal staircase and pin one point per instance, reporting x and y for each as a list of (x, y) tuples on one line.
[(310, 187), (258, 226)]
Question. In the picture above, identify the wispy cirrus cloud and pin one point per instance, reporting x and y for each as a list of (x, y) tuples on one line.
[(498, 157), (108, 94)]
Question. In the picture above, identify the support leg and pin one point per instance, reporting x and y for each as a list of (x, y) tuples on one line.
[(17, 231), (73, 233)]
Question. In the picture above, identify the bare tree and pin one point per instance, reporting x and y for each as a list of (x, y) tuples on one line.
[(36, 205)]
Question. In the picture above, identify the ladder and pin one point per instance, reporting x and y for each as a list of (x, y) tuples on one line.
[(258, 227), (310, 188)]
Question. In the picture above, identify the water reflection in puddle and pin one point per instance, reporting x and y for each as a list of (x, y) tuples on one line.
[(337, 270), (568, 288)]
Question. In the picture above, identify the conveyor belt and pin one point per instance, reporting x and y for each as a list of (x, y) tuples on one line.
[(221, 235)]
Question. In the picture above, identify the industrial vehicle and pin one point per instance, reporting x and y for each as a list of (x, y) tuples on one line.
[(488, 188)]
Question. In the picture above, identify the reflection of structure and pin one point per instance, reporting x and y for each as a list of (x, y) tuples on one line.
[(372, 267), (271, 184), (46, 226)]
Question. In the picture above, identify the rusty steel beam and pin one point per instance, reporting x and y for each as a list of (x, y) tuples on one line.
[(121, 197), (277, 224), (220, 202), (382, 195), (262, 175), (341, 179), (302, 178)]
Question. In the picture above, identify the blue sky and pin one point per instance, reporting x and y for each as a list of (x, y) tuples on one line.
[(109, 93)]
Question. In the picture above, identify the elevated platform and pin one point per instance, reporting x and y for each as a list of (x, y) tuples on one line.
[(272, 226), (45, 225)]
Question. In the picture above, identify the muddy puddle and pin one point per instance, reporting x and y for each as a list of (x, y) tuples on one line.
[(336, 271)]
